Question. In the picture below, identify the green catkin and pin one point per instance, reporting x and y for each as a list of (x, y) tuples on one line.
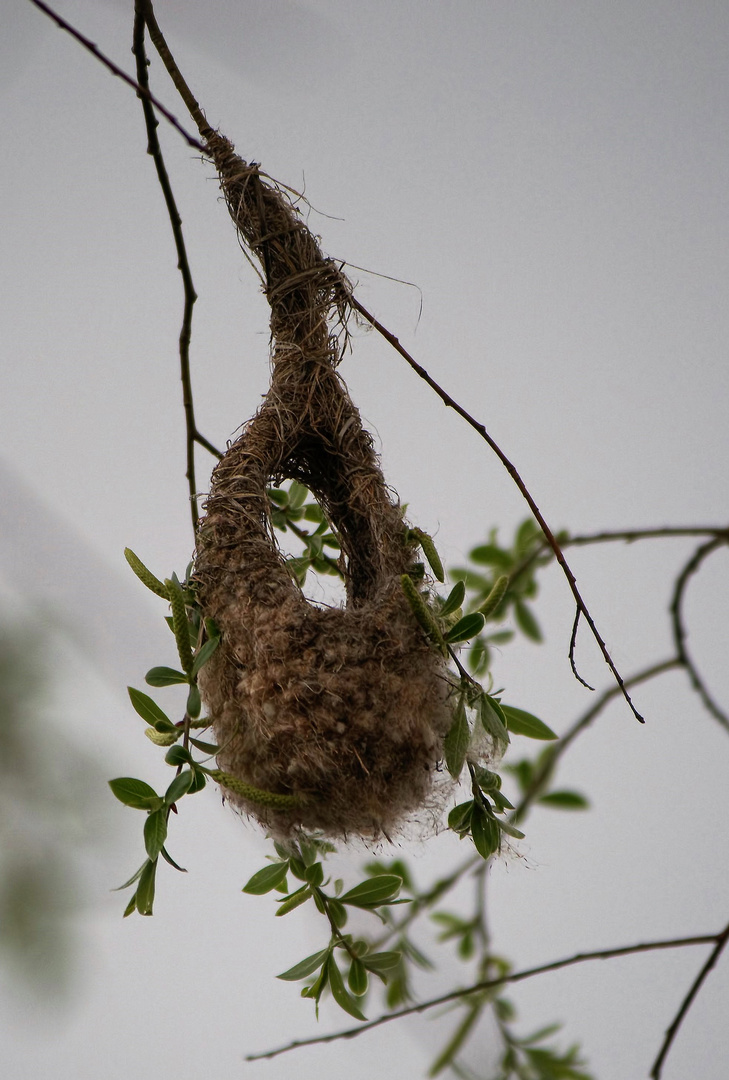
[(494, 598), (179, 624), (254, 794), (420, 610), (145, 576), (162, 738), (428, 548)]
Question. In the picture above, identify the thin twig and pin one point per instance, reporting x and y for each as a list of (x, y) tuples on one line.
[(627, 536), (513, 472), (721, 941), (190, 296), (120, 74), (488, 984), (158, 40), (544, 772), (679, 630)]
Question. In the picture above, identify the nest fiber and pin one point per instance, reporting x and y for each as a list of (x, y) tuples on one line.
[(343, 708)]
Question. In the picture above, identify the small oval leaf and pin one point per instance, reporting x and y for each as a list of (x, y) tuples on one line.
[(521, 722), (266, 880)]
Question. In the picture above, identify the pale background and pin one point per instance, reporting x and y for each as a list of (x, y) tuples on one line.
[(553, 177)]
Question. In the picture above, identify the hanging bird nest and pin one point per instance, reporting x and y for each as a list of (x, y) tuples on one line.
[(341, 709)]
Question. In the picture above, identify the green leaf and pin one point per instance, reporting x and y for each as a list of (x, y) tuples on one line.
[(485, 832), (459, 818), (298, 495), (178, 755), (509, 829), (376, 890), (131, 906), (493, 719), (457, 1040), (145, 889), (454, 600), (294, 900), (277, 496), (204, 747), (338, 912), (466, 628), (199, 781), (304, 968), (455, 744), (135, 793), (565, 800), (382, 961), (490, 555), (203, 654), (164, 676), (179, 787), (148, 709), (476, 582), (194, 704), (358, 980), (168, 858), (339, 993), (155, 832), (265, 880), (526, 621), (521, 722), (131, 880), (313, 512), (314, 874), (298, 868)]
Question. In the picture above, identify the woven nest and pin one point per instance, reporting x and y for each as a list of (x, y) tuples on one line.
[(343, 708)]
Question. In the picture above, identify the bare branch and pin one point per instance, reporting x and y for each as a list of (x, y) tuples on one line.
[(155, 151), (488, 984), (721, 941), (543, 774), (513, 472), (158, 40), (120, 74), (679, 629)]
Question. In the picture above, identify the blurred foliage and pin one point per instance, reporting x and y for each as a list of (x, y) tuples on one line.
[(43, 778)]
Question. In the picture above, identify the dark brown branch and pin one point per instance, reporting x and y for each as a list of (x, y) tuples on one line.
[(120, 74), (512, 470), (488, 984), (721, 941), (190, 296), (158, 40), (573, 646), (679, 629)]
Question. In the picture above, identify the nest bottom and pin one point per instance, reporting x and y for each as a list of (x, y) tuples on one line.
[(346, 709)]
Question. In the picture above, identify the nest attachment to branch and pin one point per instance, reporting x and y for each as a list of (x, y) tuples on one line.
[(345, 709)]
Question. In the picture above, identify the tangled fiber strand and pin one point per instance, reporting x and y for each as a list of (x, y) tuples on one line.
[(344, 708)]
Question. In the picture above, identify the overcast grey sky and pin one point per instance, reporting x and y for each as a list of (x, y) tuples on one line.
[(553, 178)]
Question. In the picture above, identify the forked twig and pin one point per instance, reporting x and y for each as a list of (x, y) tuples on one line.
[(119, 72), (721, 940), (679, 630), (488, 984), (155, 151)]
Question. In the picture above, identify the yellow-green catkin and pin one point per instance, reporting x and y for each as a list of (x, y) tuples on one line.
[(494, 598), (429, 550), (420, 610), (254, 794), (162, 738), (145, 576), (180, 625)]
